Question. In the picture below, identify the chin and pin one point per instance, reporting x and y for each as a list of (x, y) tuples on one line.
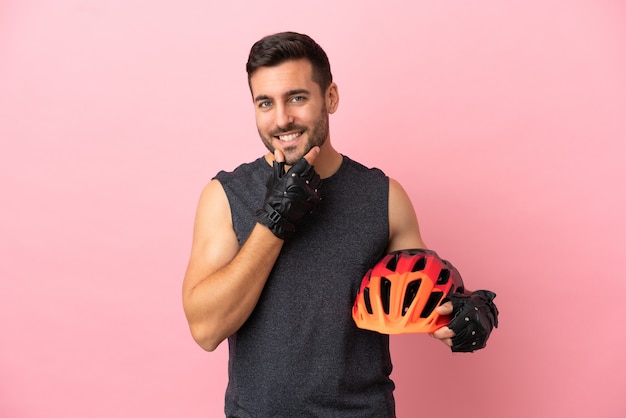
[(294, 155), (292, 159)]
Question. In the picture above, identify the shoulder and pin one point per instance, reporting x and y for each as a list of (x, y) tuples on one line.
[(353, 165), (243, 170), (213, 203), (399, 200)]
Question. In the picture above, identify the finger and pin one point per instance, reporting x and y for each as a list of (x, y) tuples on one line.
[(445, 309), (446, 341), (443, 333), (312, 155), (279, 156)]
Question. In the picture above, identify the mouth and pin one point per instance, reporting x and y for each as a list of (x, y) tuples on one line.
[(288, 137)]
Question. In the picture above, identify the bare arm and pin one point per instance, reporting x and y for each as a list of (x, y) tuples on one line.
[(223, 282), (404, 233), (404, 230)]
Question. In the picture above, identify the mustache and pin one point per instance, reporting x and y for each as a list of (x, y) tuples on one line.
[(288, 128)]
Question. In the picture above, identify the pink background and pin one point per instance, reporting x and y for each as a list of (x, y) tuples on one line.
[(505, 121)]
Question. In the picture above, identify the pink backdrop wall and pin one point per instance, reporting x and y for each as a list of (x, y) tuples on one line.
[(505, 121)]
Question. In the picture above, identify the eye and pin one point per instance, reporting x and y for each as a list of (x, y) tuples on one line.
[(264, 104), (297, 99)]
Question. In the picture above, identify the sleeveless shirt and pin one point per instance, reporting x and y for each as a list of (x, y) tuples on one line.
[(300, 354)]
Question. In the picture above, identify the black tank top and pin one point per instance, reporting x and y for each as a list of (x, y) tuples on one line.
[(300, 353)]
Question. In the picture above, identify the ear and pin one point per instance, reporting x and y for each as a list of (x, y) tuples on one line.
[(332, 98)]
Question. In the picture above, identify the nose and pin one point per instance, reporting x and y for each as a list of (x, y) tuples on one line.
[(284, 118)]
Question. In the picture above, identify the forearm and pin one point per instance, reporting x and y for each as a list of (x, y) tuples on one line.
[(220, 303)]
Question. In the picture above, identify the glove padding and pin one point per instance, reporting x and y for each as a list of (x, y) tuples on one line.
[(290, 197), (473, 318)]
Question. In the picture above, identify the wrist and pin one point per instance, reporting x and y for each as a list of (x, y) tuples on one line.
[(275, 222)]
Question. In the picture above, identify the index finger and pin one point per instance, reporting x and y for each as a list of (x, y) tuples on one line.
[(279, 156), (445, 309)]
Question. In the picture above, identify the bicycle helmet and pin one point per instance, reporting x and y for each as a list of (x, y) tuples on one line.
[(400, 293)]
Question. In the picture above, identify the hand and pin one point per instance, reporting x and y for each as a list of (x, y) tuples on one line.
[(291, 195), (474, 316)]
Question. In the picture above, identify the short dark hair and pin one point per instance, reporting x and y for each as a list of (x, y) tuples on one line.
[(280, 47)]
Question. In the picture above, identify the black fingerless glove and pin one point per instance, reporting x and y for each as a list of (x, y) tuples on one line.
[(473, 318), (290, 197)]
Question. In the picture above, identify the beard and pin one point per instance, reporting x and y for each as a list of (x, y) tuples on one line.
[(317, 135)]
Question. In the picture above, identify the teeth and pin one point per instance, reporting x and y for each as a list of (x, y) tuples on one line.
[(290, 137)]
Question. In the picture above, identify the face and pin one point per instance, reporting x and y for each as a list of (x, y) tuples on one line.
[(291, 111)]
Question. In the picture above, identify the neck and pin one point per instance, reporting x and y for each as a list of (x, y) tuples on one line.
[(328, 161)]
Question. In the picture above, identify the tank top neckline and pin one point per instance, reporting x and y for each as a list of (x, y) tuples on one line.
[(344, 163)]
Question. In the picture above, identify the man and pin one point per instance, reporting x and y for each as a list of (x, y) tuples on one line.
[(276, 264)]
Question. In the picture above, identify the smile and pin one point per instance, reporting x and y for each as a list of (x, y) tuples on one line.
[(289, 137)]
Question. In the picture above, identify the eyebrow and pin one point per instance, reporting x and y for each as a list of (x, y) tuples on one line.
[(263, 97)]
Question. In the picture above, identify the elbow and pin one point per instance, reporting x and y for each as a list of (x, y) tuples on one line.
[(206, 339), (209, 346), (205, 331)]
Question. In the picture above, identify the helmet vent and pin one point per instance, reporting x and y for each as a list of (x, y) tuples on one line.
[(431, 304), (393, 262), (409, 296), (368, 302), (419, 265), (385, 293), (444, 276)]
